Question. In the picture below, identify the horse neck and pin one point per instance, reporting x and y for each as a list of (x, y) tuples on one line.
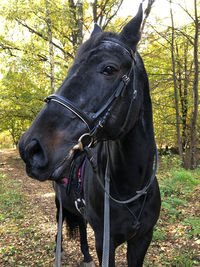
[(131, 157)]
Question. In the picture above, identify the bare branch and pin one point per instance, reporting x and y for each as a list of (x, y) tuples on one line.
[(43, 37)]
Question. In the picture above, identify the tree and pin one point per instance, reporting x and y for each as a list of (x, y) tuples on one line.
[(193, 140), (37, 47), (104, 11), (180, 148), (190, 161), (170, 60), (51, 49)]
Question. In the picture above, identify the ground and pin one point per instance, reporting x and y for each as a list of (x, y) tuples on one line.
[(28, 225)]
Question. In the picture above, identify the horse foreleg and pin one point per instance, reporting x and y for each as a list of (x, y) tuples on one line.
[(84, 243), (137, 249)]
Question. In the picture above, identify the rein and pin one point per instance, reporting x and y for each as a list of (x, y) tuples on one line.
[(139, 193), (59, 231), (106, 232)]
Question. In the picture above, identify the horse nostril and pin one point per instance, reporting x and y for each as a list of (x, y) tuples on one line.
[(35, 154)]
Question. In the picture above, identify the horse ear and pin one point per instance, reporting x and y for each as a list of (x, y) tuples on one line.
[(131, 34), (96, 29)]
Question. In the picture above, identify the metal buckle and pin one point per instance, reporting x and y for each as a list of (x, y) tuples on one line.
[(47, 99), (125, 79), (134, 94), (80, 205), (85, 140)]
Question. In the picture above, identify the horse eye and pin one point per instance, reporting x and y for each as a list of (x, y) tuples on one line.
[(109, 70)]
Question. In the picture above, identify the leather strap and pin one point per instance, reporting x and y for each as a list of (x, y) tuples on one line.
[(59, 231), (69, 105), (106, 232)]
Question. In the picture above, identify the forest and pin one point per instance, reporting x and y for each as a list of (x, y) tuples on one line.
[(38, 43), (39, 40)]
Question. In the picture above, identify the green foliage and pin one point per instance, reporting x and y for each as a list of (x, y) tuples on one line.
[(25, 55), (184, 178), (5, 140), (175, 188), (194, 226), (158, 234), (20, 102), (186, 259), (10, 199), (179, 215), (173, 207)]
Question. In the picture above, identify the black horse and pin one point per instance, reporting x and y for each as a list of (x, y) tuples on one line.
[(103, 110)]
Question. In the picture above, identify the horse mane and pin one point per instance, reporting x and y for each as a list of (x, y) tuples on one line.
[(146, 105)]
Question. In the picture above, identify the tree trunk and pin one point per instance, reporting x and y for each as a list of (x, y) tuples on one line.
[(51, 51), (94, 7), (175, 90), (79, 6), (185, 98), (76, 11), (193, 141), (147, 13)]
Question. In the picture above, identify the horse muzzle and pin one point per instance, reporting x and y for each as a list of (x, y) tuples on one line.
[(35, 157), (38, 164)]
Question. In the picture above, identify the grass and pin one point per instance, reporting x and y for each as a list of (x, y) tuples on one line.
[(20, 236), (10, 198), (6, 140), (179, 223)]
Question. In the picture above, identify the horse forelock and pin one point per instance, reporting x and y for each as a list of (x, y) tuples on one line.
[(94, 41)]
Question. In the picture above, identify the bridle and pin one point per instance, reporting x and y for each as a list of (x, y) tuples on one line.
[(98, 120), (88, 139)]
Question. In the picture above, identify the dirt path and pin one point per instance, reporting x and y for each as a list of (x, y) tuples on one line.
[(40, 199), (28, 228), (34, 190)]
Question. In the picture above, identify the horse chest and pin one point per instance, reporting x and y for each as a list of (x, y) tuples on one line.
[(124, 222)]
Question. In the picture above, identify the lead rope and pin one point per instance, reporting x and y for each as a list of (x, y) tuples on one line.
[(59, 231), (106, 233)]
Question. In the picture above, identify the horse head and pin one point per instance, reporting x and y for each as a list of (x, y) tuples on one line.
[(100, 99)]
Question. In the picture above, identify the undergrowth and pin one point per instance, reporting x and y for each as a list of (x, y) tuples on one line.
[(20, 234), (179, 221), (176, 238)]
